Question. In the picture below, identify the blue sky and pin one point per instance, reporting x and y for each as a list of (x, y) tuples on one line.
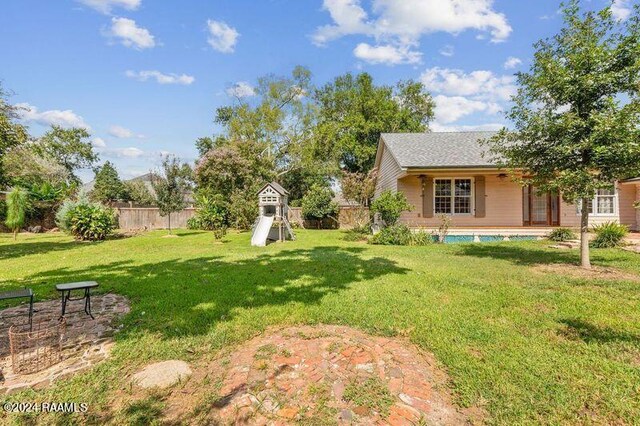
[(146, 76)]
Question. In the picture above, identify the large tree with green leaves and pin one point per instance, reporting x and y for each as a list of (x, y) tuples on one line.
[(353, 112), (71, 148), (577, 110), (12, 133), (107, 184), (171, 186)]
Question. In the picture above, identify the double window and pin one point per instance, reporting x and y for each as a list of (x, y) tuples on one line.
[(603, 204), (453, 196)]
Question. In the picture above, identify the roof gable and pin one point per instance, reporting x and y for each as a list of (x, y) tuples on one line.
[(438, 149), (276, 187)]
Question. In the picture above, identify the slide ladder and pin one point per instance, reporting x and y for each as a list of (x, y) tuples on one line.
[(288, 225), (261, 231)]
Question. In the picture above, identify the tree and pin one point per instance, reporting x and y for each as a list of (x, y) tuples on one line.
[(12, 134), (107, 184), (172, 186), (577, 110), (359, 188), (137, 192), (17, 205), (318, 204), (69, 147), (353, 112)]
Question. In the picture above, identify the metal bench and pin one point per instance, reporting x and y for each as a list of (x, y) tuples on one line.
[(25, 293), (66, 289)]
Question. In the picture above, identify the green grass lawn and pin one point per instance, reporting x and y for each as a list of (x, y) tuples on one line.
[(526, 346)]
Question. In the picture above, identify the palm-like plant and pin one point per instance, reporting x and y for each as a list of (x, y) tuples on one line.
[(17, 205)]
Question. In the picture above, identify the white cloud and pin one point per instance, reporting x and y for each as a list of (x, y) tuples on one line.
[(512, 62), (386, 54), (130, 152), (483, 84), (63, 118), (105, 6), (452, 108), (447, 50), (437, 127), (98, 143), (129, 34), (241, 89), (621, 9), (123, 133), (222, 37), (160, 77), (402, 23)]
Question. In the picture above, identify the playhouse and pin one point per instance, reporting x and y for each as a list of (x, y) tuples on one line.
[(272, 223)]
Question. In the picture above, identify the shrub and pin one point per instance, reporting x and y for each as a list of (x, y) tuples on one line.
[(85, 220), (243, 209), (92, 222), (609, 234), (562, 234), (17, 205), (318, 203), (394, 235), (211, 213), (390, 206), (422, 238), (357, 233)]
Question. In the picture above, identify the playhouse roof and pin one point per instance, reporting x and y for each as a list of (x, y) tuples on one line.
[(275, 185)]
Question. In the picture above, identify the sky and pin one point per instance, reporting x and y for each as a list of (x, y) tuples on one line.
[(145, 77)]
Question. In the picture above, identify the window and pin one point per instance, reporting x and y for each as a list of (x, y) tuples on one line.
[(603, 204), (453, 196)]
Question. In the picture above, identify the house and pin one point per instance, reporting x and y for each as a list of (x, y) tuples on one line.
[(448, 173)]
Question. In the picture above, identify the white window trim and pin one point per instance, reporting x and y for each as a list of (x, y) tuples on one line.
[(453, 195), (594, 204)]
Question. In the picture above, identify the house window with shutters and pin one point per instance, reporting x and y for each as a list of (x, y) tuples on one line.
[(453, 196)]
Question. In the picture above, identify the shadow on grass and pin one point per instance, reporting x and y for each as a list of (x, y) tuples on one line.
[(590, 333), (27, 248), (520, 255), (188, 297)]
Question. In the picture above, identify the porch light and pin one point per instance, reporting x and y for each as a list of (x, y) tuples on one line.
[(502, 176)]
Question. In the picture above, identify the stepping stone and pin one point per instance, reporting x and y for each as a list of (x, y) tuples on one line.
[(162, 374)]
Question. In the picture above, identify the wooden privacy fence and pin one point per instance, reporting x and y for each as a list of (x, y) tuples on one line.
[(347, 218), (149, 218)]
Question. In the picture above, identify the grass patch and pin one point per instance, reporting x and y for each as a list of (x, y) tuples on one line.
[(372, 393), (527, 347)]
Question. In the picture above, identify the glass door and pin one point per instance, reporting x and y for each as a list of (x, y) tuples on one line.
[(540, 209)]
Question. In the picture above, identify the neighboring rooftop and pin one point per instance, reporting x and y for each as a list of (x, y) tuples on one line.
[(438, 149)]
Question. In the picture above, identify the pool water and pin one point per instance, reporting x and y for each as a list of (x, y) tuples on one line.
[(486, 238)]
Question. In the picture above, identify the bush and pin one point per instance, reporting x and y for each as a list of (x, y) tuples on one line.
[(318, 203), (85, 220), (562, 234), (422, 238), (211, 213), (243, 209), (394, 235), (92, 222), (390, 206), (609, 234), (357, 233), (17, 205)]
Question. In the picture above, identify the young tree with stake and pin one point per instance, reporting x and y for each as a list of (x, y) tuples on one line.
[(577, 111)]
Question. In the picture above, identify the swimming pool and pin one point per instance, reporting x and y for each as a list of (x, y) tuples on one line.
[(486, 238)]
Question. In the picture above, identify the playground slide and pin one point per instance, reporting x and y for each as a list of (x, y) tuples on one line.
[(261, 231)]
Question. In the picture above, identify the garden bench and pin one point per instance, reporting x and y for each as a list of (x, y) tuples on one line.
[(26, 293), (66, 289)]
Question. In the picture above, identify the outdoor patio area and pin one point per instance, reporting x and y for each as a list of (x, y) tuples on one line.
[(83, 341)]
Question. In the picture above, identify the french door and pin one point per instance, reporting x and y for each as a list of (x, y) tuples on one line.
[(540, 208)]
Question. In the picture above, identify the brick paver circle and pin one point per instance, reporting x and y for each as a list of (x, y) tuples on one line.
[(331, 374)]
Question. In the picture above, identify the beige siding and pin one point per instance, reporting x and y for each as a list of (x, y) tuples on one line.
[(388, 172), (503, 200), (626, 214)]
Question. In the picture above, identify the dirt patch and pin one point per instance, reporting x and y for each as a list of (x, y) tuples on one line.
[(596, 272), (317, 375)]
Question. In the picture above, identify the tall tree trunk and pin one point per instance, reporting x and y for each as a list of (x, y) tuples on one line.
[(15, 234), (584, 235)]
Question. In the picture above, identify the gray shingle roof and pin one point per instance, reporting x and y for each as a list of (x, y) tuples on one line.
[(438, 149), (275, 186)]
